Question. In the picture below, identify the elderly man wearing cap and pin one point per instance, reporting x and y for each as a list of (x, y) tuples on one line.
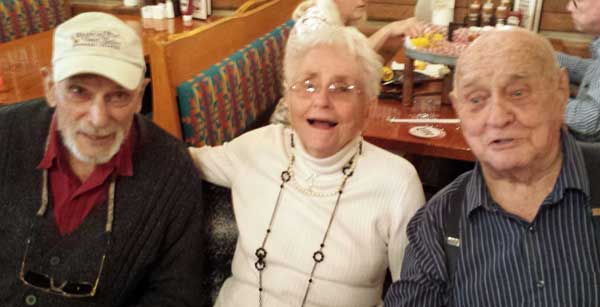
[(98, 206)]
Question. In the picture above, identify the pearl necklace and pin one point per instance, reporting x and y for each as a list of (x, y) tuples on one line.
[(318, 256), (309, 191)]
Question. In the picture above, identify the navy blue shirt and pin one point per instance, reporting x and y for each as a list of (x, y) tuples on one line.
[(504, 260)]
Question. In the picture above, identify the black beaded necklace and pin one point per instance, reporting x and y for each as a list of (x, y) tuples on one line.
[(318, 256)]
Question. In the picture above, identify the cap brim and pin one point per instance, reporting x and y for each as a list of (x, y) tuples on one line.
[(126, 74)]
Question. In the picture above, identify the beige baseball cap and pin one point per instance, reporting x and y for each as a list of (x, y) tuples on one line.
[(101, 44)]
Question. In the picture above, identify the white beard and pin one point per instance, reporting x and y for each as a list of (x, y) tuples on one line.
[(68, 138)]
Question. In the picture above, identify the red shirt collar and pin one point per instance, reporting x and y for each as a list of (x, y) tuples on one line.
[(56, 153)]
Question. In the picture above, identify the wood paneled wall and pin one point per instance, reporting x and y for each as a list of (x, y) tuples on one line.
[(387, 10), (554, 15)]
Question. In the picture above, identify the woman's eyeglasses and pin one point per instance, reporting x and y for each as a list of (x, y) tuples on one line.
[(66, 288), (338, 91)]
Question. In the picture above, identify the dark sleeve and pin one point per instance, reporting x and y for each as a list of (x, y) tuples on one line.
[(423, 277), (4, 128), (175, 278)]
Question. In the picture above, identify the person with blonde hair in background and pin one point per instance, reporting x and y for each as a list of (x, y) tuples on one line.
[(354, 13)]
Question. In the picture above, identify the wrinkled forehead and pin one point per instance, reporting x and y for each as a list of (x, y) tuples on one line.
[(504, 54), (498, 72)]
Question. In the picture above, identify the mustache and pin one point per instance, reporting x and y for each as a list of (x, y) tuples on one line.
[(100, 132)]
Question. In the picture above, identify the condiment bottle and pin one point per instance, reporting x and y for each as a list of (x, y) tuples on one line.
[(474, 12), (488, 12), (502, 12), (187, 9)]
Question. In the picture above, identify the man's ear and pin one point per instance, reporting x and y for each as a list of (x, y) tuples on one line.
[(140, 94), (563, 87), (48, 82)]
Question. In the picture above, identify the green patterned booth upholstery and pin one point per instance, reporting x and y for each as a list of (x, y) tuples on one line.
[(19, 18), (235, 94)]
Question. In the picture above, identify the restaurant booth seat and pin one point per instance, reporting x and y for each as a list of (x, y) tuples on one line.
[(210, 85), (236, 94), (214, 81), (19, 18)]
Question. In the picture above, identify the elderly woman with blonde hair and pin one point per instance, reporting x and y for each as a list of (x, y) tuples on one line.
[(321, 213)]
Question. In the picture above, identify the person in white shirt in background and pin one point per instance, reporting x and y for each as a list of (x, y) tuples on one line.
[(321, 213), (354, 13)]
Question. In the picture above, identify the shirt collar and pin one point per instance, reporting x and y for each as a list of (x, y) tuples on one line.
[(52, 149), (121, 161), (573, 175)]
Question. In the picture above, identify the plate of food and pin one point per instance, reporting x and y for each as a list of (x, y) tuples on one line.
[(427, 132), (432, 45), (398, 77)]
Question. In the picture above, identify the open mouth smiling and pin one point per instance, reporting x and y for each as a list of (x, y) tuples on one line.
[(321, 123)]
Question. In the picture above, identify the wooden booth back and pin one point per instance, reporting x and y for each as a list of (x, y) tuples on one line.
[(225, 73)]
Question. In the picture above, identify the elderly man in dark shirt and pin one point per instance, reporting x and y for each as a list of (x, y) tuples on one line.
[(98, 206), (525, 232)]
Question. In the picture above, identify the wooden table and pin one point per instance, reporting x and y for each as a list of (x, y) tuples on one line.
[(22, 59), (395, 136)]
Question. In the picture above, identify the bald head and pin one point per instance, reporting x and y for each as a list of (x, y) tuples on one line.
[(514, 45), (510, 95)]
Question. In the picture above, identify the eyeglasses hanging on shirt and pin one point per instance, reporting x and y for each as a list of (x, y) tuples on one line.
[(66, 288)]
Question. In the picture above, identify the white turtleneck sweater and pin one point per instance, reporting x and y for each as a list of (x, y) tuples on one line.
[(368, 233)]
